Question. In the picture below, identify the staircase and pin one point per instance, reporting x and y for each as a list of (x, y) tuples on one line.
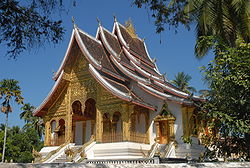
[(60, 159), (63, 158), (153, 150), (164, 150), (193, 153)]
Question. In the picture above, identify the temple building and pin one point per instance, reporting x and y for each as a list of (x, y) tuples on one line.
[(110, 101)]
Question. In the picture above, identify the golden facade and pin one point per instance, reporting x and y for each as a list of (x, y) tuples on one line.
[(108, 90)]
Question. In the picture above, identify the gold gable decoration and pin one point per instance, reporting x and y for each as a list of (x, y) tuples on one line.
[(130, 28), (165, 113)]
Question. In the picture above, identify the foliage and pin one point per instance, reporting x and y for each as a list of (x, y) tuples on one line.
[(20, 143), (26, 113), (168, 12), (187, 140), (225, 19), (30, 120), (228, 108), (9, 89), (26, 25), (181, 81)]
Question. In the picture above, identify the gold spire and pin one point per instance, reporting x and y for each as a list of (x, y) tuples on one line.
[(73, 22), (130, 28)]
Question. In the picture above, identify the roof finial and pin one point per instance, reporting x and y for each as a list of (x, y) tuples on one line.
[(99, 22), (73, 22), (154, 60), (164, 76), (115, 20)]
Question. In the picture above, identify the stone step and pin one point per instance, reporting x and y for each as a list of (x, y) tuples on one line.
[(59, 161), (194, 151)]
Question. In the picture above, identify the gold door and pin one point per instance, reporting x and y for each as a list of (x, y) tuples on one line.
[(164, 132)]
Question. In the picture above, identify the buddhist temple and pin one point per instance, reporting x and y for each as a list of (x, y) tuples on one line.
[(110, 101)]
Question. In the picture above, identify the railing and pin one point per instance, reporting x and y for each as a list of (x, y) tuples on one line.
[(168, 149), (77, 154), (112, 137), (125, 161), (153, 149), (50, 154), (138, 137)]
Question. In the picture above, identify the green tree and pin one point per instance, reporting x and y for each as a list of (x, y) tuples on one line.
[(26, 113), (30, 120), (26, 25), (227, 20), (20, 143), (10, 90), (181, 81), (228, 108)]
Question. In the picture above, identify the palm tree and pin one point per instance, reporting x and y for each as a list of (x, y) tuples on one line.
[(30, 120), (9, 90), (181, 81), (27, 115), (38, 125), (225, 20)]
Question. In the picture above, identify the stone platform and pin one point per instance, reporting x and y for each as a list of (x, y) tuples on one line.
[(83, 165)]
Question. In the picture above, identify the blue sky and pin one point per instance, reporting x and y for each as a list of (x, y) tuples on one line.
[(34, 68)]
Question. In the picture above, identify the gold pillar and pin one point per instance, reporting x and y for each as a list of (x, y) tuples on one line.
[(68, 130), (171, 129), (130, 111), (186, 115), (157, 126), (99, 125), (125, 122), (47, 134), (68, 121)]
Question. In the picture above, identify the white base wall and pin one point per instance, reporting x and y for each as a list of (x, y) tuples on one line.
[(119, 150)]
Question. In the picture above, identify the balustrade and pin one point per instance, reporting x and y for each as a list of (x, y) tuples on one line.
[(112, 137), (123, 161), (138, 137)]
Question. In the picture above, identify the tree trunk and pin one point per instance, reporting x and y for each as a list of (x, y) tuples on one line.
[(5, 136)]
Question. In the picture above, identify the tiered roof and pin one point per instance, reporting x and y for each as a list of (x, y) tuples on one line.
[(118, 61)]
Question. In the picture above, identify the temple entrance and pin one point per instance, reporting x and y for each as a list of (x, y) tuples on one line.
[(165, 128), (83, 121), (163, 132)]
